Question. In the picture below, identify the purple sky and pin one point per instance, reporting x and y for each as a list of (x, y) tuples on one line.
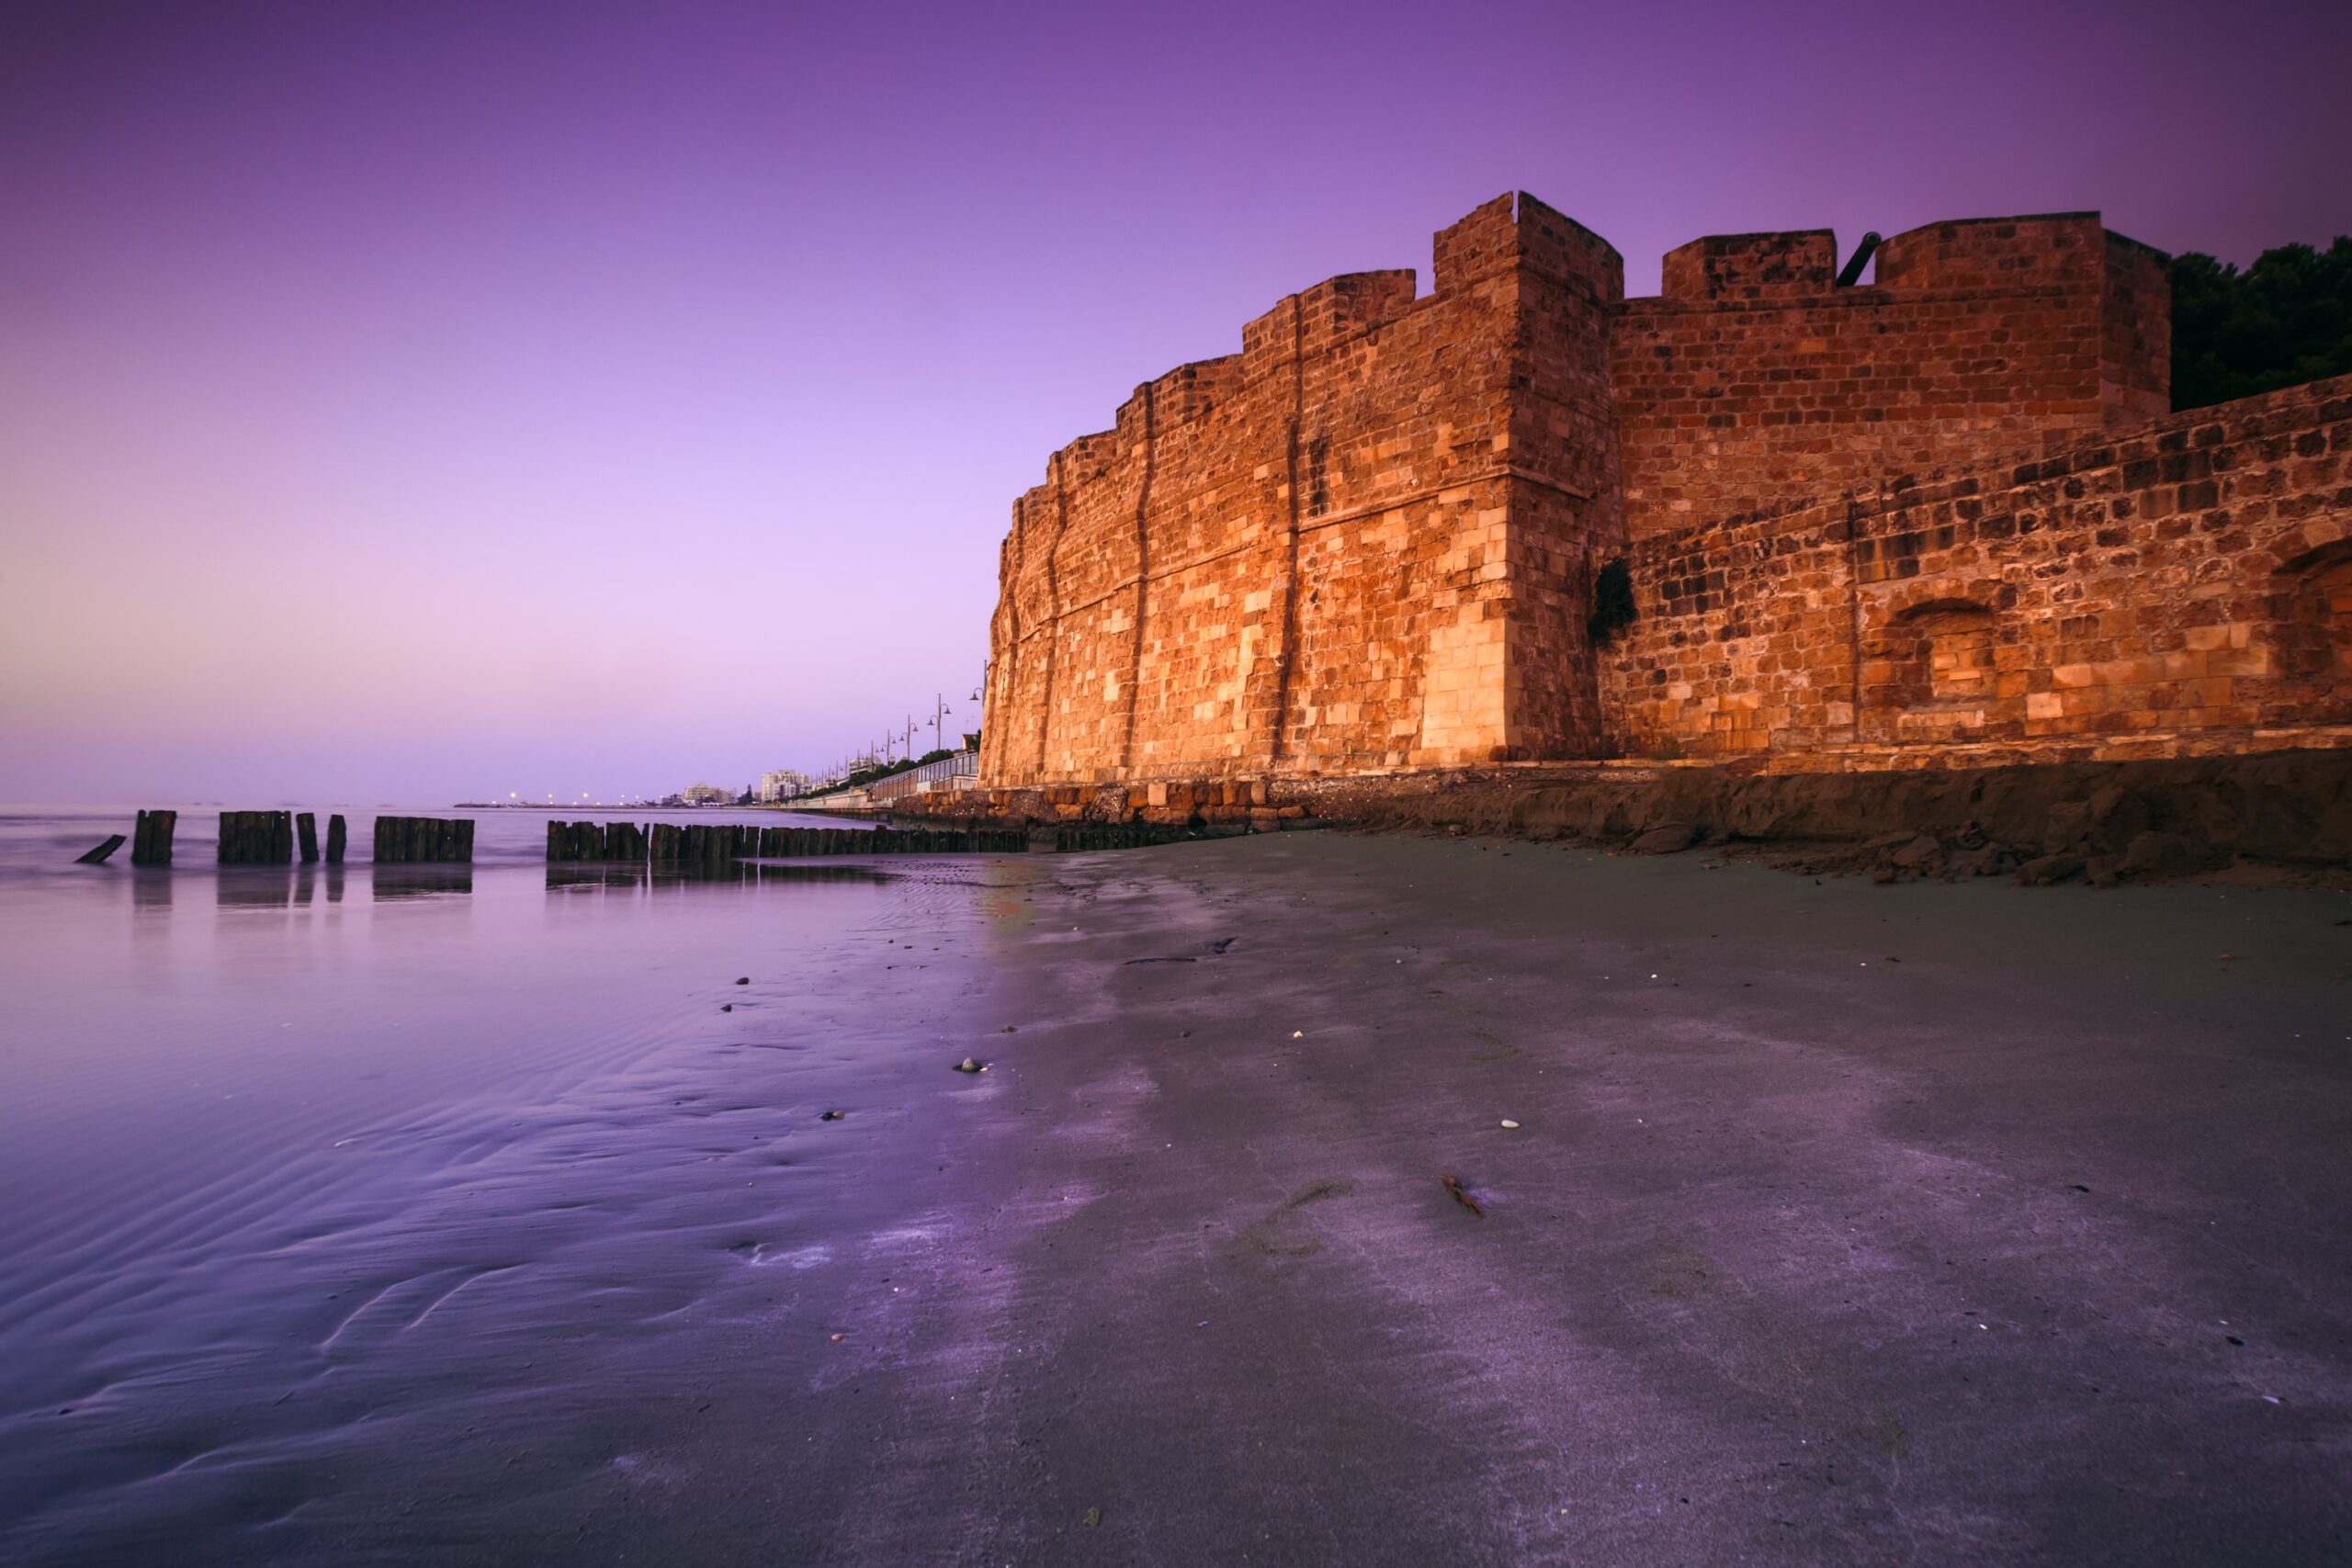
[(415, 401)]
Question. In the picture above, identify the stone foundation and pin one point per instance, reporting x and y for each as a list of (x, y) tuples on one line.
[(2110, 817)]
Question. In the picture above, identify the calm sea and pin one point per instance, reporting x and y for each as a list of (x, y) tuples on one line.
[(355, 1215)]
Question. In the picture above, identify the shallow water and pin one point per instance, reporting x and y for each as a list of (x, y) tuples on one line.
[(383, 1188)]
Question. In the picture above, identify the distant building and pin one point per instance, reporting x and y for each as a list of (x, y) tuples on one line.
[(782, 783), (705, 794)]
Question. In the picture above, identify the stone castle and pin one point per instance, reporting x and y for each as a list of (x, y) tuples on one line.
[(1943, 519)]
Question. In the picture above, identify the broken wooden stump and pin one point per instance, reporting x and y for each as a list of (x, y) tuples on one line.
[(335, 839), (151, 840), (419, 841), (98, 856), (255, 838), (306, 830)]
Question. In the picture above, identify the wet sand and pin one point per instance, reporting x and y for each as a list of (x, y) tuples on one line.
[(1843, 1223)]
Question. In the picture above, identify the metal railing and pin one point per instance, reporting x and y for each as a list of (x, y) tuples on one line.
[(957, 771), (948, 772)]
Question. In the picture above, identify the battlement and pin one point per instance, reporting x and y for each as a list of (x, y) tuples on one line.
[(1753, 378), (1785, 264), (1186, 393), (2053, 250), (1085, 458), (1314, 320), (1519, 232)]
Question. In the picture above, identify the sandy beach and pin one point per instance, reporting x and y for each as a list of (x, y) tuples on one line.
[(1841, 1223)]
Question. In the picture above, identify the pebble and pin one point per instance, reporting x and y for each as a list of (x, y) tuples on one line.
[(1509, 1123), (968, 1065)]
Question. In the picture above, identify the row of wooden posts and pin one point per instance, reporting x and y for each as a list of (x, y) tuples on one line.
[(716, 844), (270, 837)]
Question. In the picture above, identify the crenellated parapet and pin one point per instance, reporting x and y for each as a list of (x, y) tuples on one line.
[(1786, 265), (1753, 376)]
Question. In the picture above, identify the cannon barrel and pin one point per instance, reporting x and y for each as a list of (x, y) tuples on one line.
[(1861, 257)]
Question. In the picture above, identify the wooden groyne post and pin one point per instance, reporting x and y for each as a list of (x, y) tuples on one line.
[(306, 830), (151, 840), (255, 838), (98, 856), (335, 835), (418, 841)]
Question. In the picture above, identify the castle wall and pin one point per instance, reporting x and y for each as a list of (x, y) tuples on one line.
[(1300, 557), (1753, 381), (1943, 515), (2192, 576)]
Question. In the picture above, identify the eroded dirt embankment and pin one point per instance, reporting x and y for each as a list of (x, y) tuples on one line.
[(2289, 813)]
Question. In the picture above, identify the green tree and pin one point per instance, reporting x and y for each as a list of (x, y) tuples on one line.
[(2284, 321)]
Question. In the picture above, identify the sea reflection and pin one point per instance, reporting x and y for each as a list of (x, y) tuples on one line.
[(615, 876), (867, 874), (262, 887), (565, 876), (421, 881), (312, 880)]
